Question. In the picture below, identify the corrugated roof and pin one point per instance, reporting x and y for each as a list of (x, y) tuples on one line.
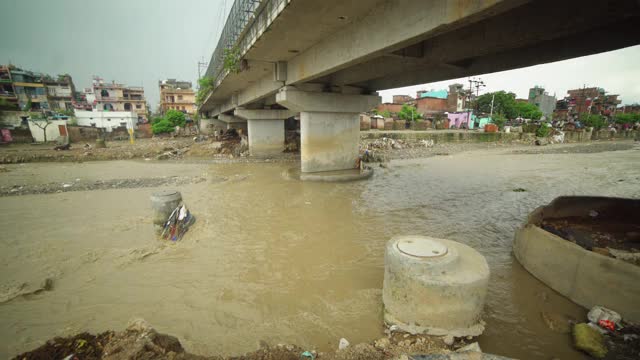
[(440, 94)]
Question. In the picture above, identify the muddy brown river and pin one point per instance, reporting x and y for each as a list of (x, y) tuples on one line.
[(278, 260)]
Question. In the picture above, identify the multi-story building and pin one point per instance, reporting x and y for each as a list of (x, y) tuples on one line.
[(8, 97), (60, 92), (456, 98), (177, 95), (592, 100), (431, 102), (29, 89), (117, 97), (542, 100)]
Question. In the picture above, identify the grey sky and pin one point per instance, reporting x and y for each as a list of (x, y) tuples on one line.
[(138, 42)]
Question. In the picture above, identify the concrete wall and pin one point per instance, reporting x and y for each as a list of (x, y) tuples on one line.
[(329, 141), (586, 277), (394, 108), (53, 132), (429, 104)]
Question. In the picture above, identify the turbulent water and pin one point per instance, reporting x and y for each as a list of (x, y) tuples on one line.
[(279, 260)]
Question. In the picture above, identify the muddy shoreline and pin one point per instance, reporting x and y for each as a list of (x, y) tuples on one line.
[(141, 341), (163, 149)]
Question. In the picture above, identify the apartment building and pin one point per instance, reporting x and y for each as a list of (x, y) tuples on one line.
[(177, 95)]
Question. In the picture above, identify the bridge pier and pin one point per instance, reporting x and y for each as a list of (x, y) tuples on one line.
[(233, 122), (329, 126), (265, 130)]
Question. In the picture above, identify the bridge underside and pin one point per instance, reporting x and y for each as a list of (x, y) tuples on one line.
[(358, 48)]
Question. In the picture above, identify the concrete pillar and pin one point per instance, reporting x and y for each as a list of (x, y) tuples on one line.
[(265, 130), (234, 122), (329, 126)]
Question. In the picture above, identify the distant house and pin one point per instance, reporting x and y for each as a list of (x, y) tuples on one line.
[(107, 120), (55, 129)]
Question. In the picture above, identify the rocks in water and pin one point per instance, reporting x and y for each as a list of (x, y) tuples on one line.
[(382, 343), (589, 340), (519, 190), (449, 339), (343, 344)]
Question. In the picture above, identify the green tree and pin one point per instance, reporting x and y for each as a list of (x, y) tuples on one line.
[(543, 130), (503, 102), (386, 114), (162, 126), (206, 86), (409, 113), (528, 111), (593, 120), (499, 120), (627, 118), (175, 118)]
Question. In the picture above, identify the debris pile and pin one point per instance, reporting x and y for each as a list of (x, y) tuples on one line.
[(617, 239), (177, 224), (607, 334)]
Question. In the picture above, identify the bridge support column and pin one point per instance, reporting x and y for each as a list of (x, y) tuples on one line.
[(329, 126), (265, 130)]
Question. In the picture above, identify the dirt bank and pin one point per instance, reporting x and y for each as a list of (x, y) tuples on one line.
[(141, 341), (80, 185)]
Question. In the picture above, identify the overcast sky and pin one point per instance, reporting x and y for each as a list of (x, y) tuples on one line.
[(138, 42)]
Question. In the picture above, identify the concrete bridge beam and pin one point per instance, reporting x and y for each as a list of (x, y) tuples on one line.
[(329, 126), (265, 130), (233, 122)]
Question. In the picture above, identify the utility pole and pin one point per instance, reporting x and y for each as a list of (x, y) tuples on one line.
[(201, 64), (477, 83), (492, 98)]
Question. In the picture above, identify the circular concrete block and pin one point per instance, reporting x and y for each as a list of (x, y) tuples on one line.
[(434, 286), (163, 203)]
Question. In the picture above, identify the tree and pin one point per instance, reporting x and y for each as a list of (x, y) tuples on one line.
[(593, 120), (162, 126), (206, 86), (499, 120), (631, 118), (503, 102), (528, 111), (40, 122), (410, 113), (175, 118), (386, 114)]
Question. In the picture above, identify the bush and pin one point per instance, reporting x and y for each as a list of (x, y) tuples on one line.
[(499, 120), (175, 118), (543, 130), (162, 126), (595, 121), (409, 113)]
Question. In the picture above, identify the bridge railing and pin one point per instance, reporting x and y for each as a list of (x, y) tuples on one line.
[(247, 20)]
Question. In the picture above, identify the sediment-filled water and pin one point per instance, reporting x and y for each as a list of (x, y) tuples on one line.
[(277, 260)]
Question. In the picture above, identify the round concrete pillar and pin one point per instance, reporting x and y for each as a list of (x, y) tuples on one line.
[(434, 286), (163, 203)]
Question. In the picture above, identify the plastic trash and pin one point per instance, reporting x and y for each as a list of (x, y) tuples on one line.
[(343, 344), (308, 355), (598, 313)]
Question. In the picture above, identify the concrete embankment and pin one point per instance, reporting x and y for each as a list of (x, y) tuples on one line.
[(466, 136)]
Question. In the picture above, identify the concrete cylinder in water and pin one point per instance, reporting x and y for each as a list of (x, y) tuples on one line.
[(434, 286), (163, 203)]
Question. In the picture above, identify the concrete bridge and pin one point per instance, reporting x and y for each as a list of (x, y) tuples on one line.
[(327, 59)]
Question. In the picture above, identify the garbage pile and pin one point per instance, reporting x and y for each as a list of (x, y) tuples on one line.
[(607, 333), (387, 144), (177, 224)]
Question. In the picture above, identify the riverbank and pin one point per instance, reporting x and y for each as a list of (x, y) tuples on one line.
[(388, 144), (141, 341)]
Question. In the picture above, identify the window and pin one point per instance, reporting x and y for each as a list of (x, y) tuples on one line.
[(108, 119), (179, 97), (138, 106)]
